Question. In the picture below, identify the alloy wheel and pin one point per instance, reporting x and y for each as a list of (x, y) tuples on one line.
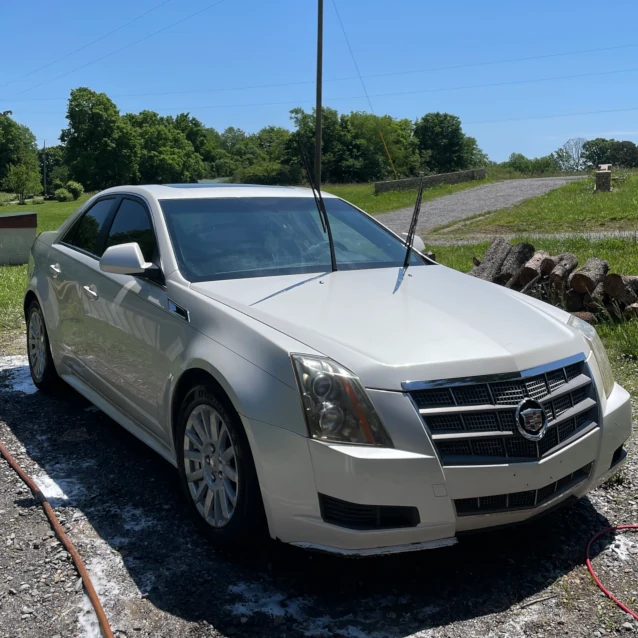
[(210, 465), (37, 345)]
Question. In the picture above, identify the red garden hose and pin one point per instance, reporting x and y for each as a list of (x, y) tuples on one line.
[(64, 539), (597, 580)]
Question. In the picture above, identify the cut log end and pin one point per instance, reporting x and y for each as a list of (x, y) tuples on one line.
[(586, 278), (532, 268)]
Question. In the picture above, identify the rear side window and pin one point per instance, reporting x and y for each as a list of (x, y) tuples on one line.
[(133, 224), (86, 234)]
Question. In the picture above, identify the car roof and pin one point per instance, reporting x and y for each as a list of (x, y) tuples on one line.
[(201, 191)]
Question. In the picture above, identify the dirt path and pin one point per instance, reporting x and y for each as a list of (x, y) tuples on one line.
[(158, 578), (472, 201)]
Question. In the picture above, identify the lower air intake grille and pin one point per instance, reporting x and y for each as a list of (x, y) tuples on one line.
[(520, 500), (356, 516)]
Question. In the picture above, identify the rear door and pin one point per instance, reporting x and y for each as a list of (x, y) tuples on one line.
[(68, 265)]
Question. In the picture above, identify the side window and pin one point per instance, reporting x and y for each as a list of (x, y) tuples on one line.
[(132, 223), (86, 234)]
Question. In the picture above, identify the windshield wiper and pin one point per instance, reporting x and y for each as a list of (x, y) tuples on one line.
[(409, 240), (323, 215)]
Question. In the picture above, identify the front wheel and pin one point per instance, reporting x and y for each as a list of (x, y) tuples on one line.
[(41, 363), (216, 469)]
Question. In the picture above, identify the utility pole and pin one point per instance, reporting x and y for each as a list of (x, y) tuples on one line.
[(44, 168), (318, 110)]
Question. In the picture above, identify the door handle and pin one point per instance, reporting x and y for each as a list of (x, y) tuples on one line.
[(91, 292), (55, 269)]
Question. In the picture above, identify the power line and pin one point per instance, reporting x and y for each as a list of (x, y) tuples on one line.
[(354, 60), (526, 59), (126, 46), (544, 117), (85, 46), (356, 66), (306, 82), (509, 83), (368, 96), (362, 97)]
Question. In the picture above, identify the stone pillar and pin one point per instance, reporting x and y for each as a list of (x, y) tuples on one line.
[(603, 181)]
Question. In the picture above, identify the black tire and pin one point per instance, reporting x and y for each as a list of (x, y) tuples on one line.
[(247, 523), (44, 375)]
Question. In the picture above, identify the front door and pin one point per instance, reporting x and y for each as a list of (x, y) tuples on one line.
[(129, 327)]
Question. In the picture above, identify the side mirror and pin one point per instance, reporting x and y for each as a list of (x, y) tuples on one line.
[(417, 244), (125, 259)]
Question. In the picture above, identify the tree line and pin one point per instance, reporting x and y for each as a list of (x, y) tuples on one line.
[(101, 147), (577, 154)]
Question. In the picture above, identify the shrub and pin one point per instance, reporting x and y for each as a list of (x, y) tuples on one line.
[(75, 188), (57, 184), (23, 180), (63, 195)]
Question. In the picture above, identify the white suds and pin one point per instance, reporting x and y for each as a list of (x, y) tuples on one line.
[(15, 375)]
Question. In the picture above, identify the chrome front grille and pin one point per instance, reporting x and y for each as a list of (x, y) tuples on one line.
[(472, 420)]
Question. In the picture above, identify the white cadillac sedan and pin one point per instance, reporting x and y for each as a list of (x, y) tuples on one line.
[(302, 380)]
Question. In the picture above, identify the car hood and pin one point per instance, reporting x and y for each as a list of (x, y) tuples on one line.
[(434, 323)]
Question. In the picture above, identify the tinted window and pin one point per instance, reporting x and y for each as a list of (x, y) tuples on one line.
[(133, 224), (86, 233), (230, 238)]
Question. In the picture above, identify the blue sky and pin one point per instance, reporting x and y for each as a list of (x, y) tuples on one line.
[(251, 43)]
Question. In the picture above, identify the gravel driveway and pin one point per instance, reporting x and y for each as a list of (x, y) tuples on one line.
[(471, 202), (157, 577)]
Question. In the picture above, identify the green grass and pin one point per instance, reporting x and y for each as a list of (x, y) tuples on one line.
[(362, 195), (13, 281), (572, 208), (50, 214)]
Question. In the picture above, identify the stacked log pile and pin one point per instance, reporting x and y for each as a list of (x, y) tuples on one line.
[(586, 290)]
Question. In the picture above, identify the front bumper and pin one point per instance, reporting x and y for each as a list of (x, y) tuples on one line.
[(394, 477)]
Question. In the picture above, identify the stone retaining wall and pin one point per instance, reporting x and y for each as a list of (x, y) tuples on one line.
[(429, 181)]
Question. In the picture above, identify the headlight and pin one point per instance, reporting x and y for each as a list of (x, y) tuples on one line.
[(597, 347), (335, 404)]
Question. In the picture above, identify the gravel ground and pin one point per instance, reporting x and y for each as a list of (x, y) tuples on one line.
[(488, 197), (158, 578)]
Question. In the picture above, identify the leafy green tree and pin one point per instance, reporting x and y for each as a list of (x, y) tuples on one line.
[(473, 156), (441, 142), (272, 141), (519, 163), (17, 146), (23, 180), (624, 154), (205, 141), (342, 158), (166, 155), (101, 149), (372, 131), (598, 151), (56, 169)]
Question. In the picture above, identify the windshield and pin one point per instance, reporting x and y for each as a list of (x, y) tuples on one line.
[(233, 238)]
